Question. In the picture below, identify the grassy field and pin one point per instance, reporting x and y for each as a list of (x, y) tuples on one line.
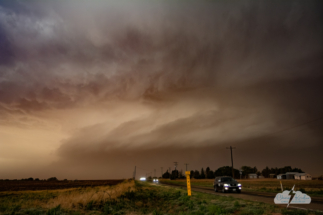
[(311, 187), (130, 197)]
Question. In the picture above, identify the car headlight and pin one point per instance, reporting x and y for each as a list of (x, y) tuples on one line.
[(226, 185), (239, 185), (156, 179)]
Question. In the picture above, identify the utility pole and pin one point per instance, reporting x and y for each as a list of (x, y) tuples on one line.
[(154, 172), (186, 165), (161, 171), (231, 159), (134, 174)]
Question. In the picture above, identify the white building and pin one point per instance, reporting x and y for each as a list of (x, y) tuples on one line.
[(303, 176), (281, 176), (290, 175), (272, 175), (252, 175)]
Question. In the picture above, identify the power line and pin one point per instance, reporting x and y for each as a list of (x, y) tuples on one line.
[(143, 168), (286, 129)]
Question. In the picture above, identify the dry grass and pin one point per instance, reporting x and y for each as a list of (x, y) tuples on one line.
[(71, 199), (68, 198)]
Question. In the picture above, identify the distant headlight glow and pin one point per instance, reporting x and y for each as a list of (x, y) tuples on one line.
[(239, 185), (226, 185)]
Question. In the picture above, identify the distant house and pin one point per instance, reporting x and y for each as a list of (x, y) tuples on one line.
[(252, 175), (303, 176), (272, 175), (290, 175), (281, 176), (260, 176)]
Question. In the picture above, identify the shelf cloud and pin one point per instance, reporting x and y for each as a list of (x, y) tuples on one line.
[(90, 86)]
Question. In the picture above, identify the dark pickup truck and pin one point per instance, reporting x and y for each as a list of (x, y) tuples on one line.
[(226, 184)]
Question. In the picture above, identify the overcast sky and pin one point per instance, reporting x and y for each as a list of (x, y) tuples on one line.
[(89, 89)]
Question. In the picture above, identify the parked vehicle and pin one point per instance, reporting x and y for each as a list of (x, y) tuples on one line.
[(226, 184)]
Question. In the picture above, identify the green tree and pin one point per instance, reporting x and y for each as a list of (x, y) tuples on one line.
[(297, 170), (247, 170), (225, 171), (202, 174), (255, 170), (210, 175), (52, 179), (265, 172), (197, 174), (192, 174), (207, 170), (166, 175)]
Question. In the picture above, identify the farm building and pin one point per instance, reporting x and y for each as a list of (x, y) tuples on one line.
[(253, 175), (281, 176), (272, 175), (303, 176), (290, 175)]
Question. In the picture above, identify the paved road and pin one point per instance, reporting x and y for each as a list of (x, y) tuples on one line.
[(266, 198)]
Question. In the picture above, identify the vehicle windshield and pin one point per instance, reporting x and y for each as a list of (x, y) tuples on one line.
[(226, 179)]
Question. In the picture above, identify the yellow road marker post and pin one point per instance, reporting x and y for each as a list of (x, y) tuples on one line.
[(281, 185), (188, 179)]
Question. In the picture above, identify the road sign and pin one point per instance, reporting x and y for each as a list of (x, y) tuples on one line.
[(188, 179)]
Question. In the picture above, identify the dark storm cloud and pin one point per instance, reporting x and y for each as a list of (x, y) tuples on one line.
[(6, 55), (208, 73)]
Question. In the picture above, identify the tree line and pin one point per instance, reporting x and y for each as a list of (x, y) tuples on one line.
[(227, 171)]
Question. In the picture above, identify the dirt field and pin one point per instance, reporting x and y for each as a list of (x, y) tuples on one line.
[(52, 185)]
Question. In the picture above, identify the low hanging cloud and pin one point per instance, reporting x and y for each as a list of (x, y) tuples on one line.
[(110, 78)]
